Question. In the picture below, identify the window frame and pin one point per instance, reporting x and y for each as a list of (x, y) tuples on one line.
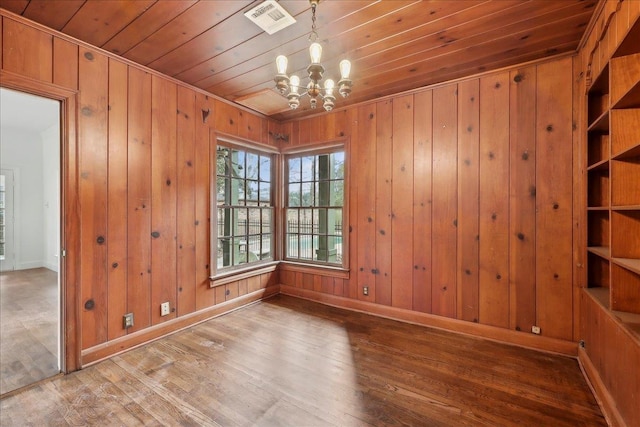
[(260, 150), (315, 150)]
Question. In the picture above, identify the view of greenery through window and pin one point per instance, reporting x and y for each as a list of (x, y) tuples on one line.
[(314, 202), (244, 206)]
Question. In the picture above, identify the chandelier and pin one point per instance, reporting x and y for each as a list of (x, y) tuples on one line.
[(290, 86)]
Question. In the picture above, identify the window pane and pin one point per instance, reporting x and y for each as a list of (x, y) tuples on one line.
[(237, 192), (337, 193), (252, 190), (224, 252), (240, 225), (292, 221), (266, 221), (265, 168), (308, 168), (222, 161), (237, 163), (224, 222), (305, 221), (306, 246), (291, 245), (253, 226), (253, 248), (334, 219), (307, 194), (220, 190), (252, 166), (239, 251), (294, 170), (338, 165), (265, 192), (294, 195), (266, 247)]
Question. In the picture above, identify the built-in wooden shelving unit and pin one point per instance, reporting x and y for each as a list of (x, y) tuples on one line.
[(613, 180)]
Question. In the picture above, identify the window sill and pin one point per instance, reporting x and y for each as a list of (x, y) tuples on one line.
[(319, 270), (232, 276)]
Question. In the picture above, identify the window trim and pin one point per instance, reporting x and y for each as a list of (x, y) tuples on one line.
[(327, 147), (255, 148)]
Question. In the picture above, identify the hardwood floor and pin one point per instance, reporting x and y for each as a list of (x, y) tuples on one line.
[(28, 327), (291, 362)]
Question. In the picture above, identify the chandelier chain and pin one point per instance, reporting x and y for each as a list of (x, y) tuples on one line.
[(314, 34)]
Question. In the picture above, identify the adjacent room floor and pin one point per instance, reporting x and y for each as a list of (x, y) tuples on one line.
[(28, 327), (291, 362)]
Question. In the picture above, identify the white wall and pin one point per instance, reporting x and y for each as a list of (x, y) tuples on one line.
[(21, 150), (51, 199)]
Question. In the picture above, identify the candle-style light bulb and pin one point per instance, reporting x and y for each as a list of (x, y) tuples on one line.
[(294, 83), (281, 64), (345, 68), (315, 51), (328, 87)]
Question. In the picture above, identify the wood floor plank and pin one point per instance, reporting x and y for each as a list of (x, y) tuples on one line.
[(28, 327), (291, 362)]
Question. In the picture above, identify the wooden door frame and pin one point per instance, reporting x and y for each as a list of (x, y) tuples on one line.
[(69, 210)]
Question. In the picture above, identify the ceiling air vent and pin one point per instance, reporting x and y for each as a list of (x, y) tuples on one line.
[(270, 16)]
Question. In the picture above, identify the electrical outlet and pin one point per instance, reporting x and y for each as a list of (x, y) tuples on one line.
[(535, 330), (127, 320), (164, 309), (365, 290)]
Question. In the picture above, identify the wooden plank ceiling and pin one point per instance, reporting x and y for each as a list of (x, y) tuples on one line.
[(394, 45)]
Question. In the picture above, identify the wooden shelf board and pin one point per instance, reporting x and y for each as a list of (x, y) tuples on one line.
[(629, 153), (598, 208), (600, 294), (601, 251), (626, 208), (632, 264), (630, 320), (601, 165), (631, 99), (600, 124), (630, 43)]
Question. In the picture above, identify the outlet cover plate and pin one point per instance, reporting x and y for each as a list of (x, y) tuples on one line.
[(165, 309)]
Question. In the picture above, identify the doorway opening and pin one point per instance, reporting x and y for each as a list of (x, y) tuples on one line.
[(30, 285)]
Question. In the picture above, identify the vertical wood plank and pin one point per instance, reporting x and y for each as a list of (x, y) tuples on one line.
[(139, 198), (365, 175), (117, 205), (186, 213), (31, 52), (250, 126), (579, 192), (422, 136), (494, 200), (71, 235), (205, 296), (350, 286), (163, 196), (226, 118), (444, 201), (522, 198), (382, 189), (554, 293), (93, 134), (468, 199), (402, 203), (304, 132), (65, 63)]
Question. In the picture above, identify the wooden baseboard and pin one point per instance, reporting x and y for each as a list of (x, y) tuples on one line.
[(600, 391), (128, 342), (536, 342)]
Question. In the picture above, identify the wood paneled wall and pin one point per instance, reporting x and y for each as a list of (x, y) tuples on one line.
[(143, 144), (461, 199)]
